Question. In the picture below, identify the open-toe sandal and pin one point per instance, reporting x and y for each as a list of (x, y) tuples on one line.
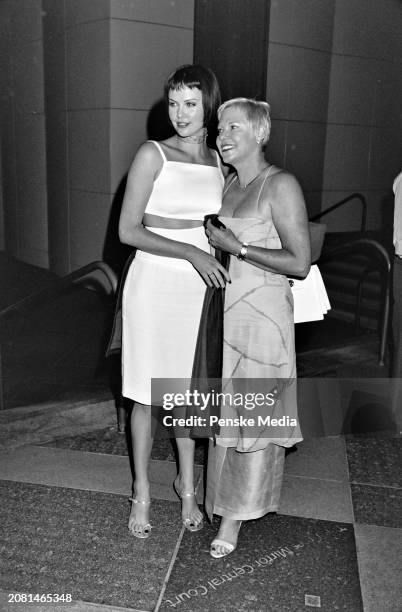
[(189, 524), (144, 531), (228, 546)]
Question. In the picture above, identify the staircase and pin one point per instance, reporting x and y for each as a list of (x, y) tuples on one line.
[(356, 269), (53, 337), (349, 276)]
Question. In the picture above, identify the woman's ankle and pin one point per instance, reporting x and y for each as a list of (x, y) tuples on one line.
[(141, 490), (185, 484), (229, 523)]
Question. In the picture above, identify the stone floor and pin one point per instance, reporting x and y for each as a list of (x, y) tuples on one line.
[(334, 544)]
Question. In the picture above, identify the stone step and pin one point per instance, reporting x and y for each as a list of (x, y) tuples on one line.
[(43, 422)]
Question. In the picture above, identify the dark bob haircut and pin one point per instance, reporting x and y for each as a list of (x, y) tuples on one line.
[(204, 79)]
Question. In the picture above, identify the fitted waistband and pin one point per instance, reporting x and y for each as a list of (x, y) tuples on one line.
[(195, 236)]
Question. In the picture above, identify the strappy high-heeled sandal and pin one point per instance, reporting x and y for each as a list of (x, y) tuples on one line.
[(145, 530), (188, 523), (229, 546)]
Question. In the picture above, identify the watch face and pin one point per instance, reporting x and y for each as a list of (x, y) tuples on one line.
[(243, 252)]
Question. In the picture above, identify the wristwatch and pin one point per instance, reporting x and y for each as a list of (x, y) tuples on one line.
[(242, 254)]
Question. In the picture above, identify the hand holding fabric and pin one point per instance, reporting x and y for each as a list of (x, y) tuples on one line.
[(223, 239)]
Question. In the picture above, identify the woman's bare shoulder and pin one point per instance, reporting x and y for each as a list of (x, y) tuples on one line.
[(282, 182), (150, 150), (148, 156), (169, 145)]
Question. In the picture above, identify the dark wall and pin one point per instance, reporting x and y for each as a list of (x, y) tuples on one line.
[(231, 38)]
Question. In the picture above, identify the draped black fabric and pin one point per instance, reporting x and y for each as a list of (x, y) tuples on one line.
[(207, 365), (114, 344)]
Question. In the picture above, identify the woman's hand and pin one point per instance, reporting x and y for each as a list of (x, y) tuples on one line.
[(213, 273), (223, 239)]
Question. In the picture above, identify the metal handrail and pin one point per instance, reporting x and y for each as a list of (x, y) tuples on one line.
[(371, 247), (353, 196), (88, 275), (357, 246), (60, 285), (365, 274)]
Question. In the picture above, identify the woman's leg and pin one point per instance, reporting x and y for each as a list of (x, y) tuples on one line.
[(185, 481), (141, 436)]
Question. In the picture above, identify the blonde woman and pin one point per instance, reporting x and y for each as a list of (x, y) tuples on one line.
[(267, 238)]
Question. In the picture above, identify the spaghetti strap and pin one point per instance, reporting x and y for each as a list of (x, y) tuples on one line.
[(263, 183), (232, 180), (158, 146)]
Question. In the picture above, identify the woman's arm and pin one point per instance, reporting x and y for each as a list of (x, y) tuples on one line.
[(290, 219), (143, 172)]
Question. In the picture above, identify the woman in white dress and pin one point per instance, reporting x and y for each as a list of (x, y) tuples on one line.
[(171, 186)]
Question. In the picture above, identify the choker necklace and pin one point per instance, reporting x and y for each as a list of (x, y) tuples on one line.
[(244, 187), (196, 139)]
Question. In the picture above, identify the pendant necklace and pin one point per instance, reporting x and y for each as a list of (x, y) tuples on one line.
[(244, 187)]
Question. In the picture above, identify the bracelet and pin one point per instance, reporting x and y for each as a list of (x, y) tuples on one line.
[(242, 254)]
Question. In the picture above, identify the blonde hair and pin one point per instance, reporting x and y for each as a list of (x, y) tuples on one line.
[(257, 113)]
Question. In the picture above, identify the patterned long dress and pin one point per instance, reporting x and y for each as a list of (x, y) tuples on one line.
[(245, 465)]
